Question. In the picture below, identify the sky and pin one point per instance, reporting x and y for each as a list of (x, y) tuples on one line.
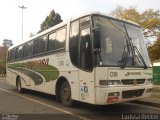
[(37, 10)]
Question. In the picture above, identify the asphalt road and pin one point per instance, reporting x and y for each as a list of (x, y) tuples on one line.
[(38, 106)]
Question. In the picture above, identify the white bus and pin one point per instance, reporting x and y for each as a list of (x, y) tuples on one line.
[(93, 58)]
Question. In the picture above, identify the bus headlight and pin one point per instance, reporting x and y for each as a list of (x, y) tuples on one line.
[(113, 82), (110, 82), (149, 81)]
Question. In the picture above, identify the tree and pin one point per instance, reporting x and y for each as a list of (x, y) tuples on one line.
[(51, 20), (154, 50), (148, 20)]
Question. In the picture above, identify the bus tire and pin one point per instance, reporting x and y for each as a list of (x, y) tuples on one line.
[(19, 85), (65, 94)]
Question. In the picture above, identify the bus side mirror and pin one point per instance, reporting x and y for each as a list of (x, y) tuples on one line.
[(96, 37)]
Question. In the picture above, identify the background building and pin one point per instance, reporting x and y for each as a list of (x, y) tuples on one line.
[(7, 43)]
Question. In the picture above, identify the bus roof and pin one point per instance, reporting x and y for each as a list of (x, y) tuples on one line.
[(102, 14), (72, 19)]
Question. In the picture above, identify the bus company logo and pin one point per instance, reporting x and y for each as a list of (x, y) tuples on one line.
[(132, 73), (38, 63)]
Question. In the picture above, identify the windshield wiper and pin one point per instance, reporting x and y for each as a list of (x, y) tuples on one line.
[(140, 56), (134, 50), (131, 49), (125, 54)]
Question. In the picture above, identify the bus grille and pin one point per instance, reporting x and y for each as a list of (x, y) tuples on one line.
[(132, 93), (132, 81)]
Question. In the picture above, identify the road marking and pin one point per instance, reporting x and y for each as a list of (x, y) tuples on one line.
[(47, 105)]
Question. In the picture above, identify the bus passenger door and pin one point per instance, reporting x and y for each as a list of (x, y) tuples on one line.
[(86, 74)]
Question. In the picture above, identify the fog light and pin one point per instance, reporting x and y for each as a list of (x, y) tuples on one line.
[(149, 90), (149, 81)]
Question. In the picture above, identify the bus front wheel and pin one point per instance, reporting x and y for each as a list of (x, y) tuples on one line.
[(65, 94)]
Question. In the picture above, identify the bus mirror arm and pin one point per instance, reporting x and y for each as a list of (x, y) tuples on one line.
[(96, 38)]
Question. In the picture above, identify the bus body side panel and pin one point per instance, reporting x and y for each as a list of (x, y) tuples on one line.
[(42, 73), (62, 67), (16, 69), (11, 77), (87, 91)]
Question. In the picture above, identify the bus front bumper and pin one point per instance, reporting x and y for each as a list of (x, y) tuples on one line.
[(111, 95)]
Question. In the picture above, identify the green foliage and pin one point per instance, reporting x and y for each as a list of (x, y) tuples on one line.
[(150, 23), (51, 20), (154, 50)]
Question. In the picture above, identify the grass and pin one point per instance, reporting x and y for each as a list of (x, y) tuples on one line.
[(156, 90)]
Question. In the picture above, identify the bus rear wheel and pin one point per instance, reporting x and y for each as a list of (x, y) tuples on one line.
[(65, 94), (19, 85)]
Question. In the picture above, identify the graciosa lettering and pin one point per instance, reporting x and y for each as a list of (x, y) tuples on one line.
[(38, 63)]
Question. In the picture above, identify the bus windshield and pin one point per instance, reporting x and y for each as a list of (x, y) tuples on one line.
[(122, 44)]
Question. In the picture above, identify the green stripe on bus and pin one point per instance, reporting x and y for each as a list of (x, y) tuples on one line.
[(48, 72)]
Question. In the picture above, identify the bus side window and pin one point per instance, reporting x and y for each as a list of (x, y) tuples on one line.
[(39, 45), (74, 43), (51, 40), (30, 47), (36, 47), (27, 49), (19, 52), (13, 54), (42, 44), (59, 42)]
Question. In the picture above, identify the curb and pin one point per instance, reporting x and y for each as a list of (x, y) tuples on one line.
[(154, 104)]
